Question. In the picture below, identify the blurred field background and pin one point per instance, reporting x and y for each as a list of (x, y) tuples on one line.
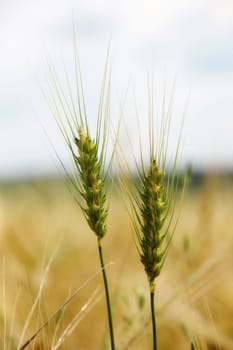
[(46, 249), (39, 221)]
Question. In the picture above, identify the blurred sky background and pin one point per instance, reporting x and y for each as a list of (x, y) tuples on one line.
[(191, 41)]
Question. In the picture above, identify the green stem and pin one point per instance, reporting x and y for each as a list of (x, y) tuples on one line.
[(153, 318), (107, 296)]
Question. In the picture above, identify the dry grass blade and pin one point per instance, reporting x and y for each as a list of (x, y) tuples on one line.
[(61, 307), (93, 300), (4, 304), (38, 297)]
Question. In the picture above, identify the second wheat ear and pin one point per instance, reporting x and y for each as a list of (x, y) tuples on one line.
[(152, 207), (152, 212), (153, 201)]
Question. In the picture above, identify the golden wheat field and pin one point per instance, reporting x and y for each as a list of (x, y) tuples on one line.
[(48, 252)]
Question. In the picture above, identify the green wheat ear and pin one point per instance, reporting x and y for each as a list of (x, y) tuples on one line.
[(153, 201), (152, 208), (153, 204), (89, 155), (89, 167)]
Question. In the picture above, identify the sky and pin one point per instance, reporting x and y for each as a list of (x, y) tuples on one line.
[(189, 42)]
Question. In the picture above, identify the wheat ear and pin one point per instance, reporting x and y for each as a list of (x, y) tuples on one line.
[(89, 167), (93, 192), (89, 154), (153, 202)]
